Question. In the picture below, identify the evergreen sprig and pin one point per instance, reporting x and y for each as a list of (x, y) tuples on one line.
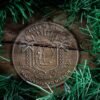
[(80, 86), (79, 7), (17, 10), (92, 29)]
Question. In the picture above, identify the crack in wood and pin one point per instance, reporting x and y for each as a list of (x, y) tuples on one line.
[(41, 45)]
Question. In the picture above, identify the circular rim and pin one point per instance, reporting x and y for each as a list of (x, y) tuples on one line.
[(67, 73)]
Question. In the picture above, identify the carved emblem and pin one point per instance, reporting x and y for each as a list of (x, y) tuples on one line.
[(44, 53)]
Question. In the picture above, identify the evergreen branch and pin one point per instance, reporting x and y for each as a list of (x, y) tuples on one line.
[(16, 9), (3, 58), (81, 86), (45, 91)]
